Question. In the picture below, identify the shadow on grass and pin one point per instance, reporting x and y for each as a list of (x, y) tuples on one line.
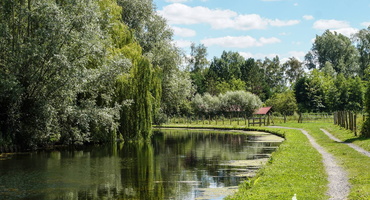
[(361, 138)]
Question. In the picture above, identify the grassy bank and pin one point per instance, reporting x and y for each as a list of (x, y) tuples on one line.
[(296, 168), (356, 164)]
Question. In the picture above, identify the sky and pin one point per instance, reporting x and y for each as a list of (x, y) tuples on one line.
[(260, 28)]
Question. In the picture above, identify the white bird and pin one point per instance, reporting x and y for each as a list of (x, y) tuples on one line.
[(294, 197)]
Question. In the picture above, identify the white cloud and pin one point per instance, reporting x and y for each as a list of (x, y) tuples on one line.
[(182, 43), (296, 4), (330, 24), (239, 42), (346, 31), (366, 24), (278, 22), (248, 22), (299, 55), (218, 19), (284, 33), (313, 40), (183, 32), (342, 27), (182, 14), (176, 1), (308, 17)]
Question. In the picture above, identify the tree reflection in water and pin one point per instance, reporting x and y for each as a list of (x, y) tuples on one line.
[(176, 164)]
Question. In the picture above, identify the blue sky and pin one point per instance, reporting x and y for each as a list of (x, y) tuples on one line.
[(261, 28)]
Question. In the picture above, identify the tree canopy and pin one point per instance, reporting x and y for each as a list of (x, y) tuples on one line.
[(94, 71)]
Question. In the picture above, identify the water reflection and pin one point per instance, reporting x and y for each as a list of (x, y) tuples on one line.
[(175, 165)]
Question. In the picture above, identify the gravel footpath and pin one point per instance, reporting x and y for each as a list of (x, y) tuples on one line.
[(338, 185), (353, 146)]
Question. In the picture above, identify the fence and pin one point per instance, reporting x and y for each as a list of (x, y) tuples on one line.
[(241, 120), (349, 120), (209, 120)]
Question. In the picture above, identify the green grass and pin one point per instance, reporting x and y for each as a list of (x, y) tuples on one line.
[(356, 164), (296, 167)]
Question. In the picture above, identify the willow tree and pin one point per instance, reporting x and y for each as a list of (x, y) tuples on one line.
[(154, 35), (134, 87)]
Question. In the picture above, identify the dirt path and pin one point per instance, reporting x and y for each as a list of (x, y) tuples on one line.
[(338, 180), (353, 146)]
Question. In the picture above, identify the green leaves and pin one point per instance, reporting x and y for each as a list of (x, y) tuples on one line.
[(336, 49), (324, 93), (231, 101), (56, 58)]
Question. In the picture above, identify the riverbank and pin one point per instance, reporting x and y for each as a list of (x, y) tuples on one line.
[(355, 163), (297, 168)]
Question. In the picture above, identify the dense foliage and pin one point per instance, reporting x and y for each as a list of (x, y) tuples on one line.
[(82, 71), (242, 102), (77, 71), (284, 103)]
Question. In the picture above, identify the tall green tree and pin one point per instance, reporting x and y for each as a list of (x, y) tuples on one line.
[(253, 76), (356, 95), (293, 69), (135, 88), (53, 55), (366, 127), (336, 49), (285, 103), (224, 70), (227, 66), (362, 42), (198, 64), (155, 37), (309, 92), (273, 75)]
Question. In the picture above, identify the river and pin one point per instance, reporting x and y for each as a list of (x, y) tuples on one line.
[(176, 164)]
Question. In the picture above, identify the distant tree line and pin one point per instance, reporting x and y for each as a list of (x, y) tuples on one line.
[(332, 77), (80, 71)]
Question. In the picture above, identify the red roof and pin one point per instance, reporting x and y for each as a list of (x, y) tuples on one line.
[(262, 111)]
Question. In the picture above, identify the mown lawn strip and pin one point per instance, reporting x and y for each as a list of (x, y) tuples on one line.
[(356, 164), (295, 168)]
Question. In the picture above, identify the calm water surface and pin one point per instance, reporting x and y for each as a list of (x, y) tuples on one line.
[(177, 164)]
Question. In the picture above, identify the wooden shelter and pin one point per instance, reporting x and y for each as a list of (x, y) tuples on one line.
[(259, 117)]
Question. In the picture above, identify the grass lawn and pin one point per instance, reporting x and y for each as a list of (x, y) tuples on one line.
[(356, 164), (296, 167)]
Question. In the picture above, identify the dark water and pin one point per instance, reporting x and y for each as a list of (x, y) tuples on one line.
[(175, 165)]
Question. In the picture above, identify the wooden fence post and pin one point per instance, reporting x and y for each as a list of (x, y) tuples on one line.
[(355, 119)]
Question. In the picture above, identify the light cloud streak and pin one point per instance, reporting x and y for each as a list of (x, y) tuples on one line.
[(338, 26), (239, 42), (178, 13), (183, 32), (308, 17)]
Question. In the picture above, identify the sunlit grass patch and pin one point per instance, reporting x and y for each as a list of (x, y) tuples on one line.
[(296, 168), (355, 163)]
